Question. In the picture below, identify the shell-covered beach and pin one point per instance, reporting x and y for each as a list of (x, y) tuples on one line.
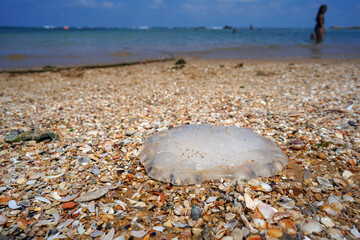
[(89, 183)]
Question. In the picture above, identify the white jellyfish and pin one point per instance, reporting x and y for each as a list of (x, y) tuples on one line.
[(192, 153)]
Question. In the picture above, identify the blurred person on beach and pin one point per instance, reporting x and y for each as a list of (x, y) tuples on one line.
[(320, 27)]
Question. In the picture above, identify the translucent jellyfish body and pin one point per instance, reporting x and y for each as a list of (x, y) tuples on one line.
[(192, 153)]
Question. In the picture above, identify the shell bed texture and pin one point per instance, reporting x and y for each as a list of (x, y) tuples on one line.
[(192, 153)]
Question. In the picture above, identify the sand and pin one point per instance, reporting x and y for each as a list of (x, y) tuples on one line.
[(310, 108)]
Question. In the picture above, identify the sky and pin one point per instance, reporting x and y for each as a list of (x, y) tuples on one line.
[(176, 13)]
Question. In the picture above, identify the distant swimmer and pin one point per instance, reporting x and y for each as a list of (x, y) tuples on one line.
[(320, 25), (251, 27)]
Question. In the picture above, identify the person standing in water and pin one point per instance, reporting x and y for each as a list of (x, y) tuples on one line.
[(320, 27)]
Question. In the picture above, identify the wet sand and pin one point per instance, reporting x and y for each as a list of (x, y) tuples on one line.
[(310, 108)]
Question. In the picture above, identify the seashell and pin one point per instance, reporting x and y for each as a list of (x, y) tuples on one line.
[(122, 204), (55, 195), (55, 176), (335, 203), (310, 226), (13, 205), (297, 144), (178, 209), (231, 224), (253, 182), (92, 195), (120, 238), (65, 224), (274, 232), (107, 146), (229, 216), (220, 233), (69, 198), (55, 236), (54, 213), (330, 211), (355, 233), (259, 223), (249, 203), (196, 231), (140, 204), (22, 223), (327, 222), (254, 237), (195, 212), (227, 238), (186, 204), (2, 189), (281, 215), (96, 233), (339, 182), (138, 234), (42, 199), (111, 233), (25, 203), (30, 182), (347, 174), (324, 181), (264, 187), (95, 171), (179, 225), (348, 198), (112, 187), (91, 207), (287, 226), (3, 219), (80, 229), (287, 202), (266, 210), (211, 199), (158, 228)]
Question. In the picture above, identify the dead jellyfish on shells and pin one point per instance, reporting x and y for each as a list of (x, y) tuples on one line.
[(192, 153)]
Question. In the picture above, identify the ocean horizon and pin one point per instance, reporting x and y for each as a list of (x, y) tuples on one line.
[(30, 47)]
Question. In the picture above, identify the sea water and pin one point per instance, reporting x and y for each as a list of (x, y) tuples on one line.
[(37, 47)]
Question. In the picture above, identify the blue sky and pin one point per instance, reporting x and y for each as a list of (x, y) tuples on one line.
[(187, 13)]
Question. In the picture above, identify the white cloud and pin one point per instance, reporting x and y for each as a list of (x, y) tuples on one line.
[(107, 4), (94, 3), (86, 3), (215, 6), (157, 4), (236, 1), (196, 6)]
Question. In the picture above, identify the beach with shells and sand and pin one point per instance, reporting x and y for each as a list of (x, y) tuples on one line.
[(86, 180)]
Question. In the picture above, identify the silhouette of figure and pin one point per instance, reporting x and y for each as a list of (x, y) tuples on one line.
[(320, 27)]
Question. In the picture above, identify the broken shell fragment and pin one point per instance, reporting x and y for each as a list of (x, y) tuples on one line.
[(13, 205), (287, 202), (266, 210), (310, 226), (92, 195), (3, 219)]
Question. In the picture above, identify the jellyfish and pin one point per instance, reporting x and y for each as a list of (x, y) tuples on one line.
[(190, 154)]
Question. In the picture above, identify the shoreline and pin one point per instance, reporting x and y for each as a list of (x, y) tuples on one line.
[(189, 59)]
